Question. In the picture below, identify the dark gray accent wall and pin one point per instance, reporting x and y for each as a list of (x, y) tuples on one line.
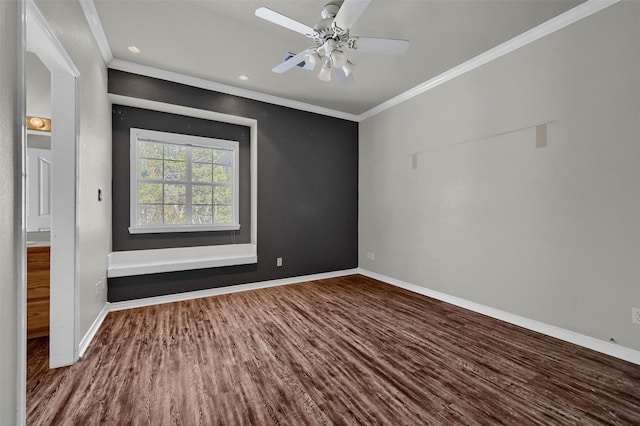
[(307, 192)]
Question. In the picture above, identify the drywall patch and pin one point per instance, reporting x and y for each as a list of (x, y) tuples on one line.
[(414, 160), (541, 136)]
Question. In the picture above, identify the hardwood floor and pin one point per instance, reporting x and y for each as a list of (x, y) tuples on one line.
[(348, 350)]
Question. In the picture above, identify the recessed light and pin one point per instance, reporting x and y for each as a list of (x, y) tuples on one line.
[(132, 48), (38, 123), (243, 77)]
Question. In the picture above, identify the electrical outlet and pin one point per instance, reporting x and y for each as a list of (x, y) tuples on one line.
[(371, 255), (635, 315), (279, 261)]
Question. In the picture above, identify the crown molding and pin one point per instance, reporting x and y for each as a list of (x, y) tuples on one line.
[(90, 12), (175, 77), (571, 16)]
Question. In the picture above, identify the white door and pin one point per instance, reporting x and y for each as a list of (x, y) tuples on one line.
[(38, 189)]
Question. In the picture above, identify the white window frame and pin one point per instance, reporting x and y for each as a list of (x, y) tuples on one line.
[(187, 140)]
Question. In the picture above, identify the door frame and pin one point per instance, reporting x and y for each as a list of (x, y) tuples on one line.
[(64, 298)]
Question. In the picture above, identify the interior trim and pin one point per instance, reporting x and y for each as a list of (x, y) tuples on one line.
[(565, 19), (120, 65), (571, 16), (43, 42), (90, 12), (64, 335), (93, 330), (251, 123), (588, 342), (171, 298), (159, 300), (20, 217), (178, 297), (156, 261)]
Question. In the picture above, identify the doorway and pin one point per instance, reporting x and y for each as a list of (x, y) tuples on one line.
[(38, 195), (63, 317)]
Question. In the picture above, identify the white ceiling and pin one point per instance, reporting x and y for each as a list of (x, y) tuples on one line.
[(218, 40)]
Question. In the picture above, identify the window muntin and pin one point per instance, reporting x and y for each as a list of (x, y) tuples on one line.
[(182, 183)]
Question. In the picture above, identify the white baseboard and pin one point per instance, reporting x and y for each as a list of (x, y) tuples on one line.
[(592, 343), (150, 301), (170, 298), (589, 342), (86, 340)]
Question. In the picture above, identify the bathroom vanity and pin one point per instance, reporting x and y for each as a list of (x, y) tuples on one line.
[(38, 257)]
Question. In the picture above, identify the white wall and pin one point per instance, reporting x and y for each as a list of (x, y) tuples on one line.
[(94, 221), (38, 87), (551, 234), (9, 210)]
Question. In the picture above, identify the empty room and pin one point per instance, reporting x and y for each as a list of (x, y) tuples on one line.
[(314, 212)]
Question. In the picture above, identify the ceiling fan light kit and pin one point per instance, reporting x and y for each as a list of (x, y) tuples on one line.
[(325, 72), (332, 39), (313, 59), (348, 67), (338, 58)]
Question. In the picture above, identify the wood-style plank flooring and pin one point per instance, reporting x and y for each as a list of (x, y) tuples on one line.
[(348, 350)]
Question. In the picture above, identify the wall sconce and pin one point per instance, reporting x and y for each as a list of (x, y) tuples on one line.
[(38, 123)]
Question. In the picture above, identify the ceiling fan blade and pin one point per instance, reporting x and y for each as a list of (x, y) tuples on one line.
[(342, 78), (349, 13), (284, 21), (291, 62), (386, 46)]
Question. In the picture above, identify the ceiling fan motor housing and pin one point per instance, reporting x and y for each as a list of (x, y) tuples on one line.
[(329, 11), (326, 30)]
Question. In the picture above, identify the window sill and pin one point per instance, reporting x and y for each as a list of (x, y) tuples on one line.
[(183, 228), (140, 262)]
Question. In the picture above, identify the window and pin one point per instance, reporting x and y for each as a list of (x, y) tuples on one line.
[(182, 183)]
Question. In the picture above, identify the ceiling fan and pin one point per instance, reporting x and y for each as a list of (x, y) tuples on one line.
[(333, 41)]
